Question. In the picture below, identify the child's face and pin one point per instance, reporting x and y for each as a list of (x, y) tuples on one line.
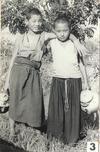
[(62, 31), (35, 23)]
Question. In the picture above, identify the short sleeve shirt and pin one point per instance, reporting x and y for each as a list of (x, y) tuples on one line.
[(65, 63)]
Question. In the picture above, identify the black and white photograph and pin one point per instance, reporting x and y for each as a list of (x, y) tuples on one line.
[(49, 75)]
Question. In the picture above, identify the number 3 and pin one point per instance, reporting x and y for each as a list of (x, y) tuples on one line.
[(92, 146)]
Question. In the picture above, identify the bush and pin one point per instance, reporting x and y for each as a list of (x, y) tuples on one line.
[(79, 13)]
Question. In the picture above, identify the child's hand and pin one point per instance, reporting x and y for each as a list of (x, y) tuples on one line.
[(86, 86)]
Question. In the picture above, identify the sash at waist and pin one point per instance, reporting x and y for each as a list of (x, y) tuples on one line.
[(25, 61)]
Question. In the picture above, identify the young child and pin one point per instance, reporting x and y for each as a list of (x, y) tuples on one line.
[(23, 80), (64, 103)]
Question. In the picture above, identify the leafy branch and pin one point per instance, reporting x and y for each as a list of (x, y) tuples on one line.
[(80, 13)]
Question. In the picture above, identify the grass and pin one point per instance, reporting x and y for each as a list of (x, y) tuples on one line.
[(33, 141)]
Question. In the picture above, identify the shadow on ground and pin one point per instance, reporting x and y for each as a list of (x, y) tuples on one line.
[(8, 147)]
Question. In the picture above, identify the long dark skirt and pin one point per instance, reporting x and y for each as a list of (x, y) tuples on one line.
[(26, 94), (64, 124)]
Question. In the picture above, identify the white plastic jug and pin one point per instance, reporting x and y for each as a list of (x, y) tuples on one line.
[(89, 101)]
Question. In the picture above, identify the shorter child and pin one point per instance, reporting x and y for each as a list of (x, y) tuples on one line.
[(64, 104)]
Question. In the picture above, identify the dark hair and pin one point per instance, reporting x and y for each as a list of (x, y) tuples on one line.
[(61, 18), (33, 11)]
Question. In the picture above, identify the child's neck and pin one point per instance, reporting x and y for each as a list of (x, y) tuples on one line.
[(34, 33), (63, 42)]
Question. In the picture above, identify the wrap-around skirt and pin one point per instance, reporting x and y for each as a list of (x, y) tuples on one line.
[(26, 94)]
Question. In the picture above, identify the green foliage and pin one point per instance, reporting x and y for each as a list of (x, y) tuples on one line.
[(79, 13)]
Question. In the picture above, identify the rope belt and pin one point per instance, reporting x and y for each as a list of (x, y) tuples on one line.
[(66, 107)]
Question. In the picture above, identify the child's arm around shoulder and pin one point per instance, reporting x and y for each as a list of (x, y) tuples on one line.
[(45, 38), (49, 36), (81, 49), (16, 48), (83, 71)]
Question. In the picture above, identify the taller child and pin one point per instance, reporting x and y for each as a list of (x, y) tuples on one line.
[(23, 81)]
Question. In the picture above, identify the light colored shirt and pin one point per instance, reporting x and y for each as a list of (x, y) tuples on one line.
[(65, 62)]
